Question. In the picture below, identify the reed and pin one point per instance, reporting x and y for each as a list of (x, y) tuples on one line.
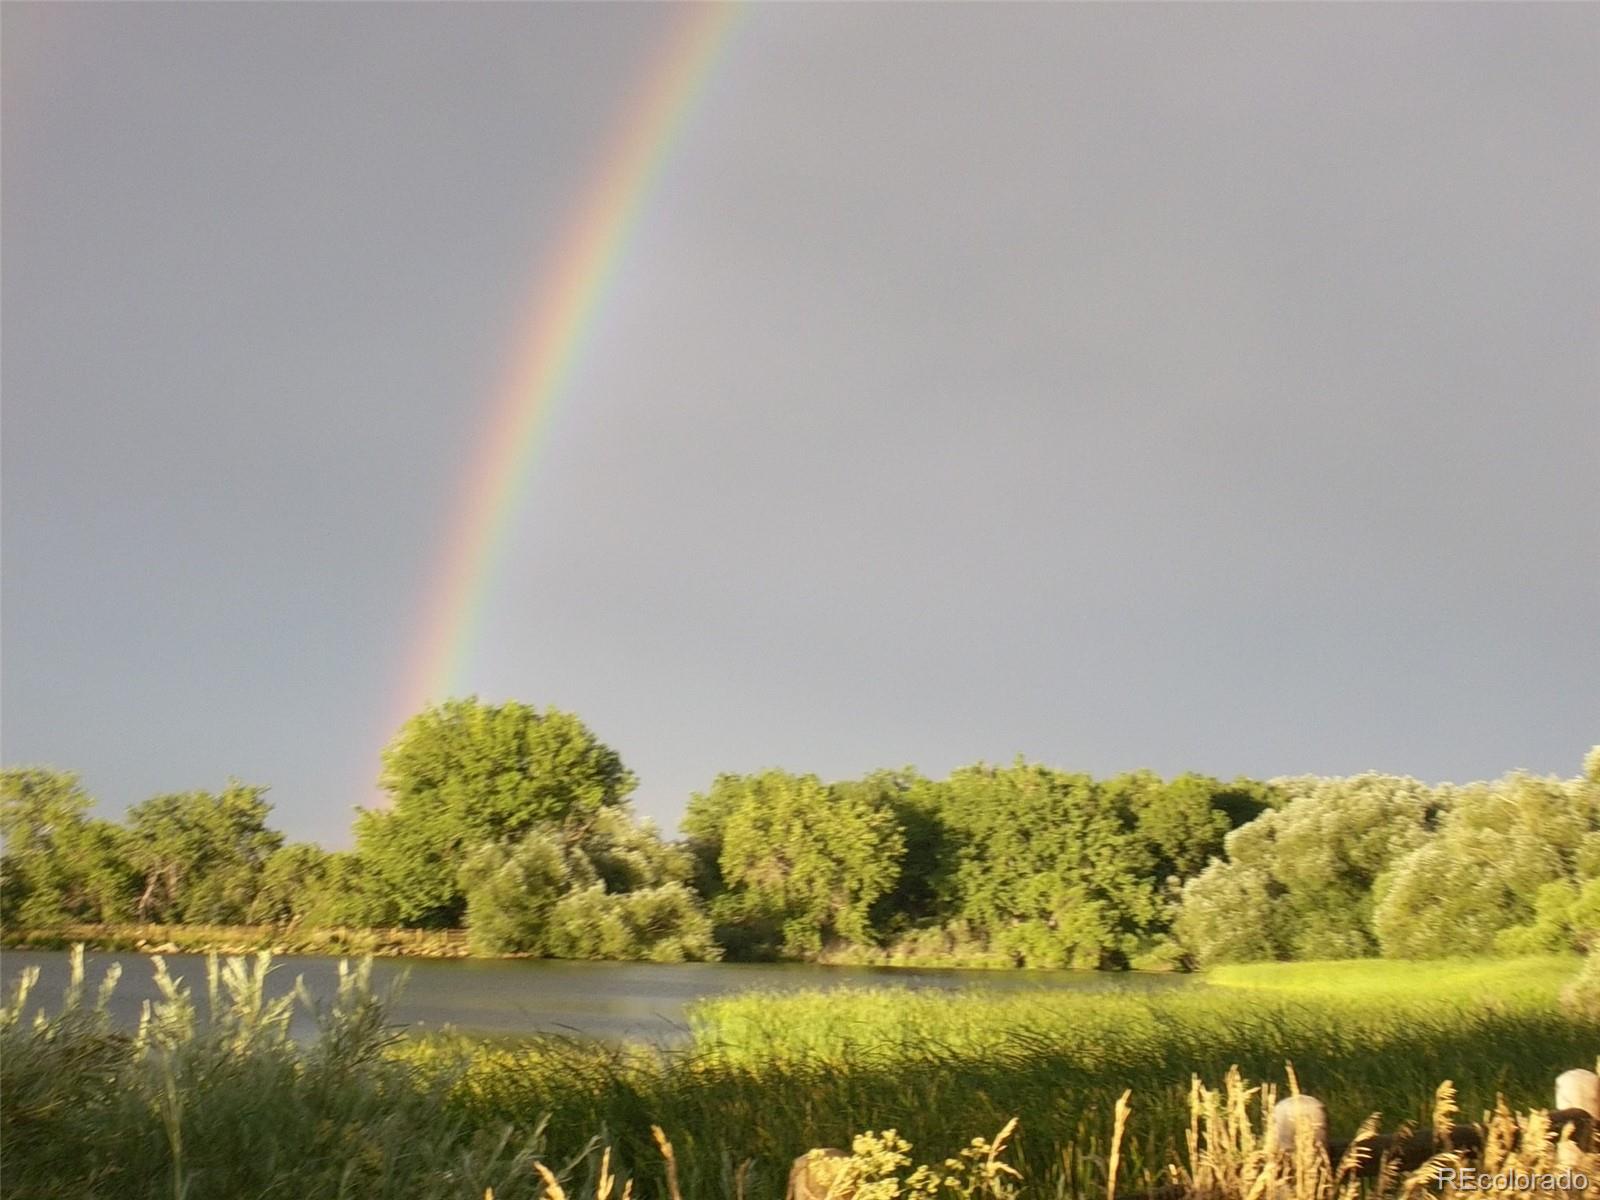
[(211, 1096)]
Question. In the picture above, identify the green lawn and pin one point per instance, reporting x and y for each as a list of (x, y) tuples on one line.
[(1535, 979)]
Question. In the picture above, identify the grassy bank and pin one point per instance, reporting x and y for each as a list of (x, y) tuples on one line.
[(1531, 981), (930, 952), (236, 1108), (771, 1072)]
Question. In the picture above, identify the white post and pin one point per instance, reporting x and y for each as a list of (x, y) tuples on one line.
[(1577, 1089), (1293, 1112)]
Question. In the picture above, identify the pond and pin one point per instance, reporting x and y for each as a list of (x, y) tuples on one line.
[(614, 1001)]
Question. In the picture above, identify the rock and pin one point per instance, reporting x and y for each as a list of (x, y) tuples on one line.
[(814, 1175), (1293, 1112)]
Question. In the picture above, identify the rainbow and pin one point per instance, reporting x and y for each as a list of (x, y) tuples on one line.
[(558, 328)]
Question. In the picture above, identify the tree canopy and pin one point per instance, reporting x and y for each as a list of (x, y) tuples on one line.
[(805, 858), (199, 855), (464, 774), (1385, 864), (60, 863), (516, 822)]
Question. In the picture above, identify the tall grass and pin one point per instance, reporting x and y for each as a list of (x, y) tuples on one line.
[(769, 1074), (232, 1106)]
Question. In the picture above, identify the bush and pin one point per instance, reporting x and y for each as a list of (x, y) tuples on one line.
[(1504, 872), (1454, 895), (1228, 915), (511, 893), (544, 897), (234, 1105), (663, 924)]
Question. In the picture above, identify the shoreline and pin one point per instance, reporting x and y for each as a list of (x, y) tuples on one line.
[(243, 939), (351, 942)]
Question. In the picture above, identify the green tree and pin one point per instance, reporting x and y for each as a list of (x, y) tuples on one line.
[(199, 855), (616, 893), (511, 892), (304, 885), (60, 864), (806, 858), (1566, 916), (627, 855), (657, 924), (347, 894), (1305, 872), (704, 821), (1451, 896), (1486, 872), (290, 878), (1229, 913), (1051, 865), (925, 891), (1184, 820), (464, 774)]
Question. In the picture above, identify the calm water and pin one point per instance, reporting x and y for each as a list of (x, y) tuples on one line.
[(608, 1000)]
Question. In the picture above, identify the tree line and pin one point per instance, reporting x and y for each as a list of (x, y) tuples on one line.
[(515, 823)]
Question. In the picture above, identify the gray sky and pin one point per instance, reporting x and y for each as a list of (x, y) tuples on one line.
[(1188, 387)]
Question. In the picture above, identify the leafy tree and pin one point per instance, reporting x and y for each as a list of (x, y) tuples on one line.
[(348, 894), (305, 885), (810, 859), (60, 864), (547, 896), (627, 855), (511, 891), (1451, 896), (1507, 864), (290, 877), (749, 926), (703, 825), (1305, 871), (200, 855), (658, 924), (1050, 864), (1564, 814), (925, 890), (1183, 821), (1566, 915), (605, 886), (463, 774), (1229, 914)]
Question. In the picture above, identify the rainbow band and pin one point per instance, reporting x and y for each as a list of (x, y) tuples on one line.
[(561, 321)]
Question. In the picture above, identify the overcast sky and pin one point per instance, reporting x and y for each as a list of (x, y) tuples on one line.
[(1181, 387)]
